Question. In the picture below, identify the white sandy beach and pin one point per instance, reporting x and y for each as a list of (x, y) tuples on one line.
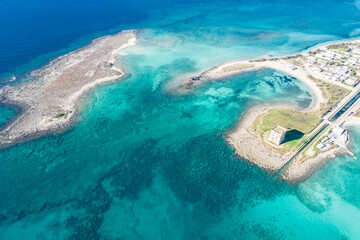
[(281, 65)]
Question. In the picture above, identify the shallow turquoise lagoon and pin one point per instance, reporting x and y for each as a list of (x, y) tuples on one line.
[(144, 163), (35, 32), (6, 114)]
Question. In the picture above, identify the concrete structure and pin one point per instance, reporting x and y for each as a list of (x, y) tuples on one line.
[(337, 137), (277, 135), (338, 131)]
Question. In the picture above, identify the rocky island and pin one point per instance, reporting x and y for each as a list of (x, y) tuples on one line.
[(50, 101)]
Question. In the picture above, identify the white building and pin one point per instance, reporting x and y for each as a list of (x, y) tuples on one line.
[(277, 135)]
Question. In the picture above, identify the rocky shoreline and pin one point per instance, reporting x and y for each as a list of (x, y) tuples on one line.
[(299, 171), (252, 148), (49, 103)]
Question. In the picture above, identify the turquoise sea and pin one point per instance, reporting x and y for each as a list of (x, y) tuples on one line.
[(143, 163)]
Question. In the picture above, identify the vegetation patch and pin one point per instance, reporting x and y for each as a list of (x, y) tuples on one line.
[(344, 47), (291, 119), (331, 92), (237, 67), (299, 124)]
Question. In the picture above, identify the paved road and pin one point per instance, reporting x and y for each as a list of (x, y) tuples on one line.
[(321, 130)]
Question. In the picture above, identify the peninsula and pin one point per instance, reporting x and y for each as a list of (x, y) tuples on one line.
[(50, 101), (309, 137)]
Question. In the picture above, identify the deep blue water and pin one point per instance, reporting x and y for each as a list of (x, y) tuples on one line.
[(32, 33), (146, 164)]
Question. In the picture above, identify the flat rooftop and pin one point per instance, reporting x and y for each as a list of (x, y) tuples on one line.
[(279, 129)]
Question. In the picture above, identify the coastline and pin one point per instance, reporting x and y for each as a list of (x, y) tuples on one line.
[(299, 171), (218, 72), (252, 147), (207, 74), (49, 103)]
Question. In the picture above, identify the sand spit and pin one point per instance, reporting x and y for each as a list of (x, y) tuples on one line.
[(49, 102), (237, 67)]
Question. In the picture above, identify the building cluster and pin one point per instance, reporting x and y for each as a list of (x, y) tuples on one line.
[(339, 63), (338, 137)]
